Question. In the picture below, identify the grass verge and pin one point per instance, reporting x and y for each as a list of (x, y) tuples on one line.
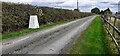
[(92, 41), (26, 31), (118, 24)]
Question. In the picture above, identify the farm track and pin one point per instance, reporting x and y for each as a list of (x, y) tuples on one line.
[(49, 41)]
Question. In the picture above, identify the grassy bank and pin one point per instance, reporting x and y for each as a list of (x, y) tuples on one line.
[(26, 31), (92, 41)]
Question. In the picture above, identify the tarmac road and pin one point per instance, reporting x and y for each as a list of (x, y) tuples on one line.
[(49, 41)]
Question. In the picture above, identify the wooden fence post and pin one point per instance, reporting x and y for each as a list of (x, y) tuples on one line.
[(114, 24), (109, 22)]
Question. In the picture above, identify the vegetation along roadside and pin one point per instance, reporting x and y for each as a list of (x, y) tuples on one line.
[(92, 41)]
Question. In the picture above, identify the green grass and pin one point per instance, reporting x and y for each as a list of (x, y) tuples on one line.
[(92, 40), (26, 31), (118, 24)]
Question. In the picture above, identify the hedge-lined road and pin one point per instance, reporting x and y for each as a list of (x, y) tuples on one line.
[(50, 41)]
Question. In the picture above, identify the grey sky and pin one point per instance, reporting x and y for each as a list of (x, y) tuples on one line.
[(84, 5)]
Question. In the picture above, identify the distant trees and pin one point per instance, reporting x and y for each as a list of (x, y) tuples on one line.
[(76, 10), (102, 12), (107, 11), (95, 10)]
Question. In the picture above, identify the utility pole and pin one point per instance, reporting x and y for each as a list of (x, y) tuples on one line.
[(77, 9), (77, 5)]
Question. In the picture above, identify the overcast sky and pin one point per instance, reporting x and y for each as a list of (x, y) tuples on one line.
[(84, 5)]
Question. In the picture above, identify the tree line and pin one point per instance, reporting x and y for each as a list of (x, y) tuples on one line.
[(98, 11)]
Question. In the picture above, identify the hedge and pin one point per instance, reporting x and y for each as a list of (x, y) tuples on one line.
[(15, 17)]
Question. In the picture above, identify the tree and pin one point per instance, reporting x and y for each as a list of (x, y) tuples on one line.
[(108, 11), (102, 12), (95, 10)]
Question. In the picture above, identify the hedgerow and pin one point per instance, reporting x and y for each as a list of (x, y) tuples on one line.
[(16, 16)]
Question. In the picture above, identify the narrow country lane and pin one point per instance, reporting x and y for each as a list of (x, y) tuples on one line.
[(50, 41)]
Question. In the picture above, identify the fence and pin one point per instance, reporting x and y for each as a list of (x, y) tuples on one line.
[(110, 22)]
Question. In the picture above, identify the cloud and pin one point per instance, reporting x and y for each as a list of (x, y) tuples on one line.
[(104, 2), (84, 5), (16, 1)]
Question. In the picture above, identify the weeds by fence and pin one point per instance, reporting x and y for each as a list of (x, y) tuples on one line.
[(113, 29)]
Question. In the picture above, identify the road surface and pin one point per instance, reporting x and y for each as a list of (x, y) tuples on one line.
[(50, 41)]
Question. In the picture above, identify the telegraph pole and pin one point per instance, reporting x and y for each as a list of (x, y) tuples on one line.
[(77, 5), (77, 9)]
